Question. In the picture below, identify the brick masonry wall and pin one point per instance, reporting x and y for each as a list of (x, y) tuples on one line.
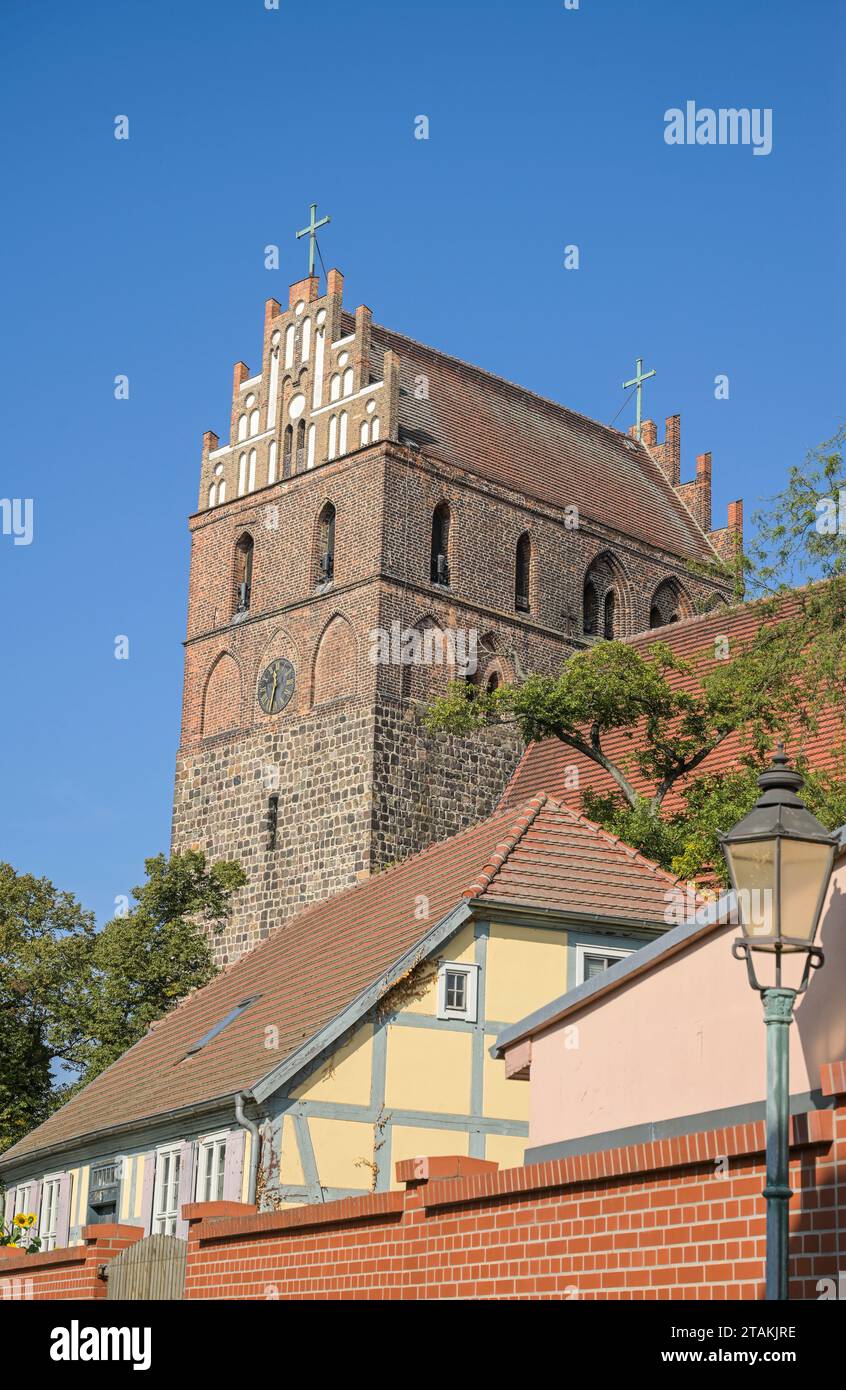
[(65, 1274), (676, 1219), (358, 784)]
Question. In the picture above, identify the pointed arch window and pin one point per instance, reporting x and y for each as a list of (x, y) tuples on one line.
[(439, 572), (668, 605), (301, 435), (243, 573), (609, 609), (522, 573), (590, 610), (326, 545), (287, 449)]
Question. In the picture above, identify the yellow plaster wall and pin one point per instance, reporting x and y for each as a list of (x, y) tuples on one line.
[(339, 1145), (502, 1099), (127, 1165), (410, 1142), (428, 1069), (526, 967), (81, 1189), (245, 1176), (461, 947), (345, 1075), (506, 1149), (290, 1165)]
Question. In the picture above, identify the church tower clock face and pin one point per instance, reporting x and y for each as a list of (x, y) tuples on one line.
[(276, 686)]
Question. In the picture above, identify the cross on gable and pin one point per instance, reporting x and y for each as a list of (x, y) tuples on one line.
[(637, 380), (311, 232)]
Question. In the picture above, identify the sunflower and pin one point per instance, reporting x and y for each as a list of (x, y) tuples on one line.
[(24, 1220)]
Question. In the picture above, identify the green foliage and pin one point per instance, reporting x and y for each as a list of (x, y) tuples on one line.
[(75, 998), (613, 686), (684, 842), (45, 936), (785, 675), (17, 1233), (794, 542), (143, 963)]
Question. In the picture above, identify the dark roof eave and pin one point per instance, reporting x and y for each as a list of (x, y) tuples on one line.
[(210, 1105)]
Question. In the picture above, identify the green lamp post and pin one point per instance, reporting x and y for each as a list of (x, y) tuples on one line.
[(779, 860)]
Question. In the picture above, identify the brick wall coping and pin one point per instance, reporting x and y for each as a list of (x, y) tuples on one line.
[(19, 1263), (833, 1078), (93, 1239), (684, 1151), (475, 1181), (348, 1209)]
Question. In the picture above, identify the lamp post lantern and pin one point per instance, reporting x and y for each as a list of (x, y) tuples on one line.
[(779, 860)]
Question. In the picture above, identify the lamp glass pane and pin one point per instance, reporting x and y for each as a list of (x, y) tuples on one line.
[(804, 870), (752, 865)]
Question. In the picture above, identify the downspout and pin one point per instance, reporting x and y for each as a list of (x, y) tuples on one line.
[(255, 1147)]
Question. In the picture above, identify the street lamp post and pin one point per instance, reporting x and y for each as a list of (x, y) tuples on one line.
[(779, 860)]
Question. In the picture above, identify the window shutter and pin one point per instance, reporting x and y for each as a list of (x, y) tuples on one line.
[(234, 1170), (187, 1161), (147, 1192), (10, 1207), (63, 1213), (35, 1203)]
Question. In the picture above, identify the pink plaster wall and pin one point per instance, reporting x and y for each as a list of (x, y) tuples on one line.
[(687, 1037)]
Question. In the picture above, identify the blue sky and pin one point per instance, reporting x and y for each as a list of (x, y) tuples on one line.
[(145, 257)]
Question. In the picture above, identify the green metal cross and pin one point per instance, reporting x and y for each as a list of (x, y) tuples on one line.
[(637, 380), (311, 232)]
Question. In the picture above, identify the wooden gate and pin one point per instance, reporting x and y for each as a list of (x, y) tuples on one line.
[(153, 1268)]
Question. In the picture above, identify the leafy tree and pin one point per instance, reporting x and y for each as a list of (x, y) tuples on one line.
[(45, 939), (673, 713), (72, 999)]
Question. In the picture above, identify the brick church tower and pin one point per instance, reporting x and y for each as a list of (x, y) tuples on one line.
[(377, 501)]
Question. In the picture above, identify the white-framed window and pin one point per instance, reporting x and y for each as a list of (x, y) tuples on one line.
[(23, 1198), (458, 990), (166, 1193), (211, 1167), (593, 960), (49, 1216)]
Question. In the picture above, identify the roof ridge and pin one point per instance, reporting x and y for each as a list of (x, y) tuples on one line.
[(620, 435), (615, 840), (490, 869)]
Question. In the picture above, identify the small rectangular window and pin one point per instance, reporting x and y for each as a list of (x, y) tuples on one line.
[(103, 1186), (458, 991), (593, 961)]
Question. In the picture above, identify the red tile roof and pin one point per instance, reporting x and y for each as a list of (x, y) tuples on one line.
[(548, 765), (315, 966), (508, 435)]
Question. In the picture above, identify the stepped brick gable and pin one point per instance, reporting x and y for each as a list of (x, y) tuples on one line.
[(371, 485)]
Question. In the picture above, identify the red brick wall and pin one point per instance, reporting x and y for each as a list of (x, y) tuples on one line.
[(675, 1219), (65, 1274), (679, 1219)]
